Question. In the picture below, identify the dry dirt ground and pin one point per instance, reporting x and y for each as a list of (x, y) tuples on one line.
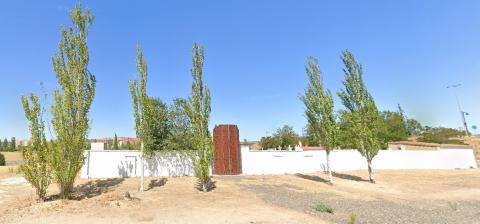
[(451, 196), (12, 155)]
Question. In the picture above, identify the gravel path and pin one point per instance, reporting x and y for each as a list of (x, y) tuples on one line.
[(372, 211)]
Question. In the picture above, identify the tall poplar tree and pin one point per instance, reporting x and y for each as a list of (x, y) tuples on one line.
[(198, 110), (361, 111), (72, 100), (138, 90), (319, 111), (150, 114)]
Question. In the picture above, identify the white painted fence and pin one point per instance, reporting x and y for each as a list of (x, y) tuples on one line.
[(126, 163), (280, 162)]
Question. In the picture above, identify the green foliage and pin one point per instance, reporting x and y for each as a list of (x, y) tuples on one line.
[(363, 116), (391, 128), (353, 219), (6, 146), (269, 142), (13, 144), (198, 108), (442, 135), (2, 160), (36, 168), (309, 137), (319, 111), (138, 90), (2, 146), (283, 137), (72, 101), (287, 137), (156, 129), (319, 108), (150, 114), (322, 207), (346, 138), (131, 146), (180, 128), (115, 142), (414, 127)]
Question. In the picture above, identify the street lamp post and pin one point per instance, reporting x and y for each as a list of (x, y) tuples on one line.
[(462, 113)]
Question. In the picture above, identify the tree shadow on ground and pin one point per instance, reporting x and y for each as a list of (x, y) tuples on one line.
[(94, 188), (348, 177), (157, 183), (210, 185), (312, 178)]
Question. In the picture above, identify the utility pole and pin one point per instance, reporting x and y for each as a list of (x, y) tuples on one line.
[(462, 113)]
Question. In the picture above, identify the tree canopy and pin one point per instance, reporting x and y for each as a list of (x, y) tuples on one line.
[(361, 112), (283, 137), (73, 99)]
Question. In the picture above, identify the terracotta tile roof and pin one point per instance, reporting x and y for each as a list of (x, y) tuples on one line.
[(307, 148)]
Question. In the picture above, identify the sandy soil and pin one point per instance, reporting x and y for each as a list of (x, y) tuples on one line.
[(449, 196), (416, 185), (6, 171), (175, 200), (14, 156)]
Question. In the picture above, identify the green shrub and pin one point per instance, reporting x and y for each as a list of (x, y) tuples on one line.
[(442, 135), (353, 219), (321, 207), (36, 169), (2, 160)]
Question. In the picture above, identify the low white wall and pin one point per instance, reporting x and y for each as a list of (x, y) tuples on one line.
[(126, 163), (279, 162)]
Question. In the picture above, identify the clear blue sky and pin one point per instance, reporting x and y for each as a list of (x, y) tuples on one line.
[(255, 56)]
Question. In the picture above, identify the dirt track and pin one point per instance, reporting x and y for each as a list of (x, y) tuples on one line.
[(398, 197), (177, 201), (259, 199)]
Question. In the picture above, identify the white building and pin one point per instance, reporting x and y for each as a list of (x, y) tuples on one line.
[(98, 146)]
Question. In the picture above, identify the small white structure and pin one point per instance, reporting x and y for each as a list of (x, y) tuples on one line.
[(98, 146)]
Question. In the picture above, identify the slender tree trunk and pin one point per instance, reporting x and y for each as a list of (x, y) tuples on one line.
[(205, 181), (329, 169), (370, 171), (142, 169)]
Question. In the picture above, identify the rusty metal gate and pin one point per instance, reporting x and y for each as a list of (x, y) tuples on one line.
[(227, 156)]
